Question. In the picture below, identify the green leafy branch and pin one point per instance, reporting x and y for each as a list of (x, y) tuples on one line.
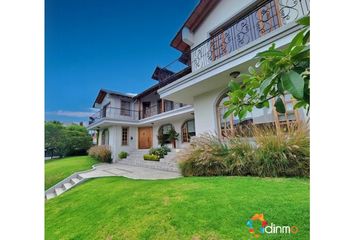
[(277, 72)]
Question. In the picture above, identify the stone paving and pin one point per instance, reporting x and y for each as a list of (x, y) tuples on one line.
[(109, 170), (134, 172)]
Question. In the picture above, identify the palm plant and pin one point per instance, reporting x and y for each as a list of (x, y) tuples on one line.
[(172, 137)]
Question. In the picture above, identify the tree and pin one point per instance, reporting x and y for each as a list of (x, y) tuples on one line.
[(67, 141), (276, 73), (77, 140), (54, 135)]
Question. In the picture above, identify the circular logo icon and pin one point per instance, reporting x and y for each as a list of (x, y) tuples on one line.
[(250, 222)]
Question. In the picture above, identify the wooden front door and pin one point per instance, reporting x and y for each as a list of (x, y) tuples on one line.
[(145, 137)]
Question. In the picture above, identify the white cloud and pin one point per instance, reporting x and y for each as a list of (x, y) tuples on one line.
[(131, 94), (71, 113)]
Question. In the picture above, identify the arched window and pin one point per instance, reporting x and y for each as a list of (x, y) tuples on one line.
[(188, 130), (283, 121), (230, 125), (163, 133)]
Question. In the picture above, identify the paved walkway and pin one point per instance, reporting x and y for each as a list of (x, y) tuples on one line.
[(109, 170), (134, 172)]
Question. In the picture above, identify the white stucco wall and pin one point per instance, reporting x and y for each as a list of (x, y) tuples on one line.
[(104, 102), (205, 111), (99, 139), (115, 140)]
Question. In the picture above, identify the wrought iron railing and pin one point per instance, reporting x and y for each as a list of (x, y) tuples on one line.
[(246, 28), (114, 113), (132, 115), (157, 109)]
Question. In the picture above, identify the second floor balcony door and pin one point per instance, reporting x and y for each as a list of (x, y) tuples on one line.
[(168, 105), (146, 109)]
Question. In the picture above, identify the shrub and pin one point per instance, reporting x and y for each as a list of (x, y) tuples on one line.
[(161, 151), (240, 156), (157, 152), (102, 153), (282, 154), (123, 155), (166, 149), (151, 157), (204, 157)]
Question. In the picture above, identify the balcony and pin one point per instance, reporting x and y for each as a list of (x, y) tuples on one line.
[(127, 115), (114, 114), (254, 22)]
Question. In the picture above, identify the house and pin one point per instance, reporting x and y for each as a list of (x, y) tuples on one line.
[(127, 122), (218, 41)]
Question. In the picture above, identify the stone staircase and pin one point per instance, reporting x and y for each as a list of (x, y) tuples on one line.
[(133, 168), (64, 185), (168, 163)]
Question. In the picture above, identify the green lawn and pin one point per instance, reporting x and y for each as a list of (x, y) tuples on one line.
[(58, 169), (187, 208)]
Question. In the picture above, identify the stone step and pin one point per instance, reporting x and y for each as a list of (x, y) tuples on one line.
[(59, 191), (50, 195), (67, 185), (152, 164), (162, 160), (170, 154), (136, 156), (168, 162), (75, 180)]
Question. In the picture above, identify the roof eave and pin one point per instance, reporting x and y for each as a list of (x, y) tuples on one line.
[(199, 13)]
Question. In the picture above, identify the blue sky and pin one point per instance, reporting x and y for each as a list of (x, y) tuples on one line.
[(93, 44)]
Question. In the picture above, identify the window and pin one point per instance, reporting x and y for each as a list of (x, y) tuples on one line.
[(125, 131), (146, 109), (168, 105), (285, 120), (231, 125), (125, 108), (104, 110), (163, 133), (159, 106), (188, 130)]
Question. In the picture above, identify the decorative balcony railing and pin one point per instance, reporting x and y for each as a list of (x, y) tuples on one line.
[(157, 109), (114, 113), (248, 27), (131, 115)]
